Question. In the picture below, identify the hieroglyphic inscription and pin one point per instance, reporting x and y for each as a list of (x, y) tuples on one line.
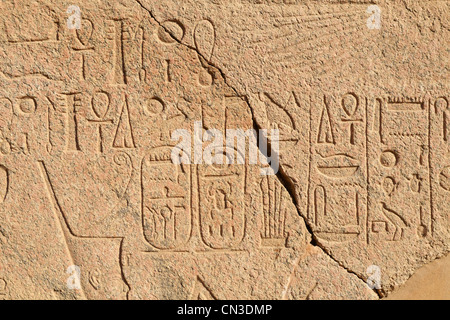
[(400, 170), (337, 190), (92, 110), (385, 162)]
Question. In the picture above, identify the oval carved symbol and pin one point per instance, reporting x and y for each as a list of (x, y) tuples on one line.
[(4, 183), (84, 34), (205, 38), (100, 104), (350, 104), (170, 32)]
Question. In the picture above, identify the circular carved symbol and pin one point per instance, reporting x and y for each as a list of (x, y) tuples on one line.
[(153, 107), (444, 178), (388, 159), (27, 105)]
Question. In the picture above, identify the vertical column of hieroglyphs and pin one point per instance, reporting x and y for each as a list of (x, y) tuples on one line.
[(400, 169), (337, 191)]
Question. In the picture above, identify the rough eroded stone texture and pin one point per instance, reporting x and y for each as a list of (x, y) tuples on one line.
[(86, 124)]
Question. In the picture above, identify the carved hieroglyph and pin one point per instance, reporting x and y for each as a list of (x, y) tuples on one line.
[(86, 175)]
